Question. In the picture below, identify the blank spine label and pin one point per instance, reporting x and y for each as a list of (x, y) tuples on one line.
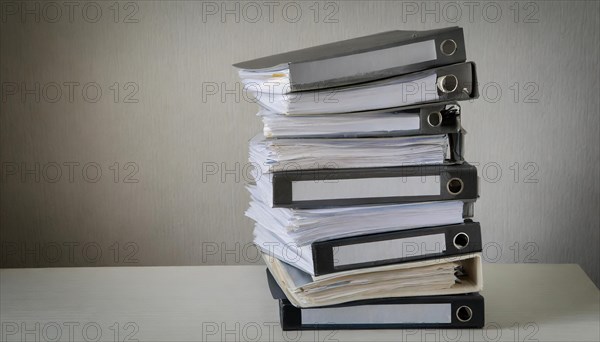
[(365, 188), (389, 249)]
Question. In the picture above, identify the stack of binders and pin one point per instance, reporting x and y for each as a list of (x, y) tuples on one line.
[(362, 200)]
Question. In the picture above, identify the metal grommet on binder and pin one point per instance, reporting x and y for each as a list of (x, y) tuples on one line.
[(447, 84), (448, 47), (461, 240), (455, 186), (434, 119), (464, 313)]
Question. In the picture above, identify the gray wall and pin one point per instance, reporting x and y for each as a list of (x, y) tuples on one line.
[(172, 122)]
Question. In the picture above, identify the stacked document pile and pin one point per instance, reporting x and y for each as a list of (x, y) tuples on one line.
[(362, 200)]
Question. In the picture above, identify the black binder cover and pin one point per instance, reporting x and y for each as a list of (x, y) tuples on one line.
[(460, 239), (467, 311), (469, 306), (457, 182)]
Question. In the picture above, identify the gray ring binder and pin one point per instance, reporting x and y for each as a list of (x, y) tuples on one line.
[(306, 65), (323, 252)]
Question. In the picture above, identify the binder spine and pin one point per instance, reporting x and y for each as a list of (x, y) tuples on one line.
[(465, 312), (449, 49), (408, 245), (433, 182), (437, 118)]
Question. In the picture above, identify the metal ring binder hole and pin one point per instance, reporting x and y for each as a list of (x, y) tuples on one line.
[(464, 313), (447, 84), (461, 240), (455, 186), (434, 119), (448, 47)]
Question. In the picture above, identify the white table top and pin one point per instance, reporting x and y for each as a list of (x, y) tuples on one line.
[(524, 302)]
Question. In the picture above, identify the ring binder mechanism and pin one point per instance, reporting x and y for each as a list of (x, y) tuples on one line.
[(358, 60)]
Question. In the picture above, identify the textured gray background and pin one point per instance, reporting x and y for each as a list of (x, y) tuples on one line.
[(534, 132)]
